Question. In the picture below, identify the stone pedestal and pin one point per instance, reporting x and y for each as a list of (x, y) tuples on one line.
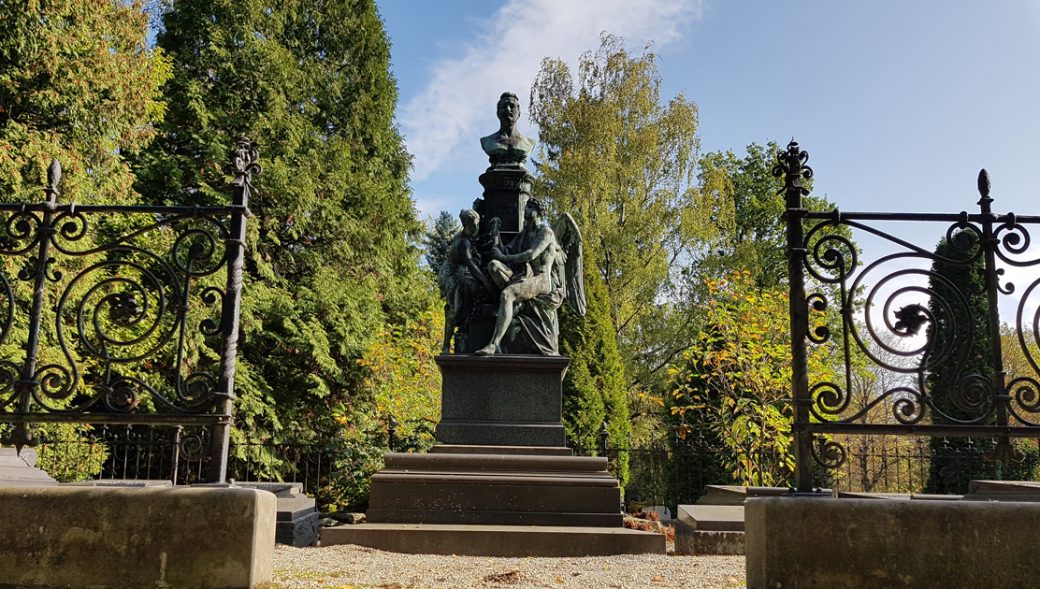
[(506, 190), (502, 400)]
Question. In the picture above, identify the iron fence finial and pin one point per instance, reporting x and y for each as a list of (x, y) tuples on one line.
[(984, 184), (984, 187), (246, 160), (53, 180)]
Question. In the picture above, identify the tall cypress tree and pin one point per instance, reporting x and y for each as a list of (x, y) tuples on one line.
[(958, 354), (594, 393), (331, 257)]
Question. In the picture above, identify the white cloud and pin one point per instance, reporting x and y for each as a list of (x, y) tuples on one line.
[(459, 101)]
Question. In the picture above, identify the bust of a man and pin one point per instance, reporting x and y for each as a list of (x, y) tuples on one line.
[(507, 148)]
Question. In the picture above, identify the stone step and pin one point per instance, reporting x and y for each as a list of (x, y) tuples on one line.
[(490, 489), (526, 450), (496, 540), (495, 462)]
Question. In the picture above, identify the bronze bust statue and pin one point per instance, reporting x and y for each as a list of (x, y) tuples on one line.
[(507, 147)]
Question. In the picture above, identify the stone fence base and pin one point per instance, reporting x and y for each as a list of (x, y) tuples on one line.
[(808, 543), (114, 538)]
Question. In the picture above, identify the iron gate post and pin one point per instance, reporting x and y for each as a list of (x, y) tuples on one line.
[(791, 166), (989, 245), (246, 164)]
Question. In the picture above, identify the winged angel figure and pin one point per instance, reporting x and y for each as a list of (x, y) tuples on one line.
[(537, 271)]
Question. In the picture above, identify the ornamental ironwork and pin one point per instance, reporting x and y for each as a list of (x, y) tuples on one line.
[(122, 314), (902, 319)]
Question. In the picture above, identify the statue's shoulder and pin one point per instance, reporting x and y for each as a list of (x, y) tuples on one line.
[(491, 143)]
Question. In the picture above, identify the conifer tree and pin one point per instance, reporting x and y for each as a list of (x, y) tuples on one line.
[(959, 350), (438, 238), (331, 247), (594, 392), (77, 84)]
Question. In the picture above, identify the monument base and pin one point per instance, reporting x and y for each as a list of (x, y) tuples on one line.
[(502, 400), (496, 501), (498, 489)]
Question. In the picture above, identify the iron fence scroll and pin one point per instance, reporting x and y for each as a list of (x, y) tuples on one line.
[(113, 314), (902, 321)]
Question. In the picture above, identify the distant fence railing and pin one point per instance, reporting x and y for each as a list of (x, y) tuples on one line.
[(122, 314), (660, 473)]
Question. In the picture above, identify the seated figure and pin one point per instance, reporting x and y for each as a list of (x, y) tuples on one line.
[(532, 273)]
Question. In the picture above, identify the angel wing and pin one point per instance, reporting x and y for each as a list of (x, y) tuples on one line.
[(568, 237)]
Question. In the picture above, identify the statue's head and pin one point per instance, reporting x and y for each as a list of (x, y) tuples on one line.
[(534, 210), (508, 108), (470, 221)]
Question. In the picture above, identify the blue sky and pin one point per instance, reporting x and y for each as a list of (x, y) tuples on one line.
[(898, 103)]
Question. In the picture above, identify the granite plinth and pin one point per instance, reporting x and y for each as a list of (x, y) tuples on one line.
[(495, 489), (502, 400)]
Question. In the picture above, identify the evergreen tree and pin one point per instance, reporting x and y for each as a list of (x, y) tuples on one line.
[(79, 84), (438, 238), (958, 352), (594, 392), (331, 247)]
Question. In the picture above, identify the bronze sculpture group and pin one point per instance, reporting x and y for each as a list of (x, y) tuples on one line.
[(520, 284)]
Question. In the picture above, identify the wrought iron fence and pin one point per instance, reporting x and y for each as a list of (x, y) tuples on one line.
[(664, 472), (901, 320), (122, 314)]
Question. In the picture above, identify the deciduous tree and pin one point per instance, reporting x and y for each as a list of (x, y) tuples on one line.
[(621, 160)]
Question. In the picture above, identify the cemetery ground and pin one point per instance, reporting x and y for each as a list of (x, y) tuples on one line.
[(348, 567)]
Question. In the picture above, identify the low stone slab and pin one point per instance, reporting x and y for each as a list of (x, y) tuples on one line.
[(865, 543), (1003, 491), (690, 541), (736, 495), (278, 488), (298, 517), (126, 483), (19, 470), (114, 538), (509, 541), (713, 518)]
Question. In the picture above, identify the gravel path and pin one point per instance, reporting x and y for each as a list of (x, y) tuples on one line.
[(350, 567)]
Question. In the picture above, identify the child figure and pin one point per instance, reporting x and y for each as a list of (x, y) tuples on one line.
[(460, 277)]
